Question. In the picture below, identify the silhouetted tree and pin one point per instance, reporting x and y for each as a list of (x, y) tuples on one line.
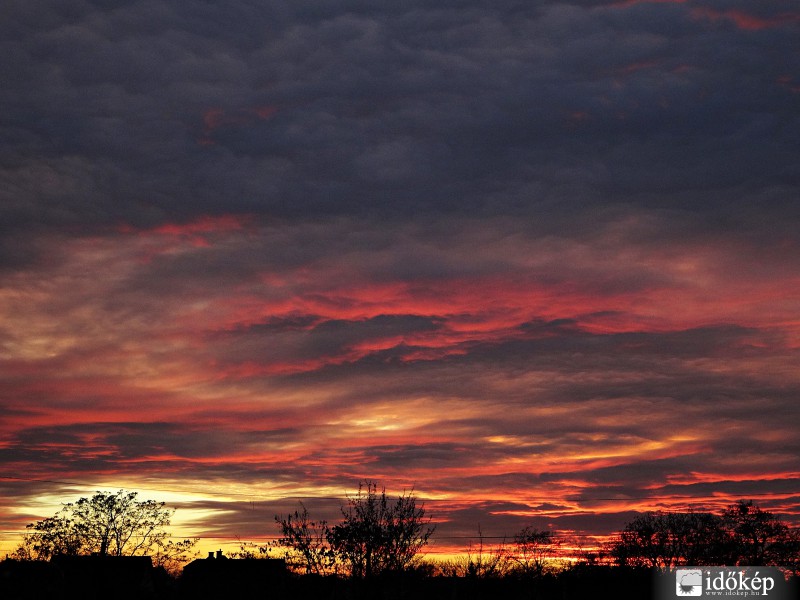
[(702, 538), (758, 537), (664, 540), (645, 541), (108, 525), (308, 541), (533, 548), (789, 549), (52, 536), (172, 555), (376, 535), (743, 535)]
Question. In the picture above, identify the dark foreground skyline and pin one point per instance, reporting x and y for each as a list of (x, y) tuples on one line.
[(538, 261)]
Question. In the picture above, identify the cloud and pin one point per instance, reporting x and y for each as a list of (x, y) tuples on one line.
[(529, 256), (387, 111)]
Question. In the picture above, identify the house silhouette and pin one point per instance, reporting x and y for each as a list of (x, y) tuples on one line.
[(219, 577)]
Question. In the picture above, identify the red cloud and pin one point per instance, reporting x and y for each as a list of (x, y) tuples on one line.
[(204, 224), (744, 20), (217, 118), (198, 233)]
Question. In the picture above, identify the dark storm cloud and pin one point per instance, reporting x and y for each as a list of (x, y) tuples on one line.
[(753, 488), (658, 359), (89, 447), (265, 341), (159, 110)]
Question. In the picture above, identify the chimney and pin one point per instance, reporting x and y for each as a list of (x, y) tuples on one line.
[(210, 556), (219, 554)]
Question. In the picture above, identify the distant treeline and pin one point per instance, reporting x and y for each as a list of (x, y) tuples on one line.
[(381, 537), (743, 534), (378, 534), (134, 578)]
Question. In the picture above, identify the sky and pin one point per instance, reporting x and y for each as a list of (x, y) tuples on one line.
[(538, 262)]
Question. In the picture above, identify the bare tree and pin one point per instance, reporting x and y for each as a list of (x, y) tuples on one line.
[(533, 550), (307, 540), (377, 535), (172, 555)]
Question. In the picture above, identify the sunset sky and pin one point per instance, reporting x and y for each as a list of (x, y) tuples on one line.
[(538, 261)]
